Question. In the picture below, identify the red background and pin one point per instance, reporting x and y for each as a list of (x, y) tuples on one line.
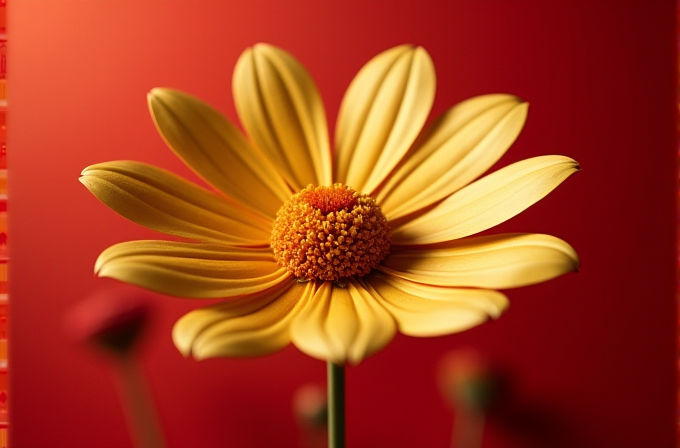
[(592, 354)]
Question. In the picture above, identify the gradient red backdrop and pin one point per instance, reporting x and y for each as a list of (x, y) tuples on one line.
[(592, 354)]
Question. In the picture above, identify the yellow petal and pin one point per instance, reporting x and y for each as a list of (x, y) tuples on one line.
[(162, 201), (342, 324), (487, 202), (376, 325), (453, 151), (381, 114), (190, 270), (281, 109), (309, 331), (192, 324), (240, 331), (217, 151), (496, 261), (356, 106), (422, 310)]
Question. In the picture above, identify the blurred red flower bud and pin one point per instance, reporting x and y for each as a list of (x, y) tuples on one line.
[(468, 380), (112, 318), (310, 406)]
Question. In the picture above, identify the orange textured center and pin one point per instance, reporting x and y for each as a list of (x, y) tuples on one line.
[(330, 233), (330, 199)]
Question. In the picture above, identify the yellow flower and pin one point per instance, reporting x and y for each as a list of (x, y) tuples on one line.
[(334, 251)]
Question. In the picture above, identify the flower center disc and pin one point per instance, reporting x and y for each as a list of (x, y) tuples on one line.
[(330, 233)]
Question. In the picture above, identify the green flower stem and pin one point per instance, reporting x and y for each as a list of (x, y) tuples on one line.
[(336, 406)]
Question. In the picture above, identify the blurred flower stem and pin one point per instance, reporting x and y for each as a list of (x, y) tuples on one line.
[(468, 429), (139, 408), (310, 407), (336, 406), (113, 321), (471, 385)]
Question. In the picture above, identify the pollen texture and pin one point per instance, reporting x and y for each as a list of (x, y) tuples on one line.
[(330, 233)]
